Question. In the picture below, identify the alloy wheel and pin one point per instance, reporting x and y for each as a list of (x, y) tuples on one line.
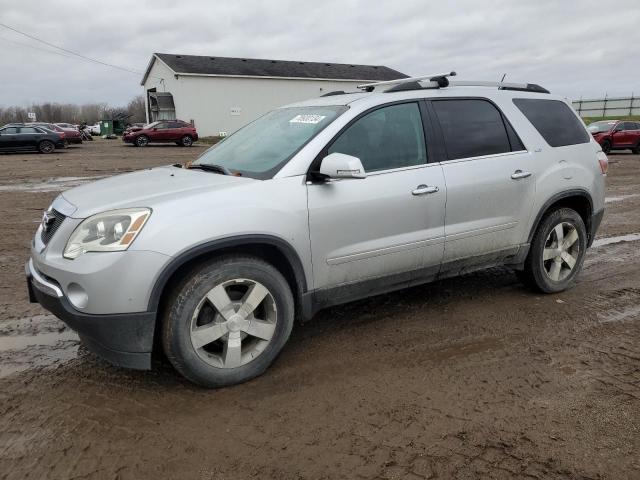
[(46, 147), (561, 251), (233, 323)]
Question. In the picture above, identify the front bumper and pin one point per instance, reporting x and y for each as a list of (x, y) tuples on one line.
[(125, 339)]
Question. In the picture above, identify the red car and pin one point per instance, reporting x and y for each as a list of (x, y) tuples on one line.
[(177, 131), (616, 135), (71, 135)]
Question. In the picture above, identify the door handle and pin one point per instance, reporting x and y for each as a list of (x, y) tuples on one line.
[(424, 190), (518, 174)]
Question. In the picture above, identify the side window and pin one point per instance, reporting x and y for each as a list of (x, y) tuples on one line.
[(9, 131), (472, 127), (554, 120), (629, 126), (28, 130), (162, 126), (389, 137)]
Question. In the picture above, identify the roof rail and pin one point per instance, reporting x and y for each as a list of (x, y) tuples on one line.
[(522, 87), (336, 92), (440, 79)]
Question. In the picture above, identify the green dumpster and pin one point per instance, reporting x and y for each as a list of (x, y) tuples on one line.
[(106, 127)]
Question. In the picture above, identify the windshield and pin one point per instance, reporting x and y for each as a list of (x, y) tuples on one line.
[(596, 127), (262, 147)]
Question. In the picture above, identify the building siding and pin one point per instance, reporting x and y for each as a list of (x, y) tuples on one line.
[(224, 104)]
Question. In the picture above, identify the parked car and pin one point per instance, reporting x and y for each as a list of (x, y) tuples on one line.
[(71, 135), (67, 125), (94, 129), (316, 204), (15, 138), (177, 131), (616, 135)]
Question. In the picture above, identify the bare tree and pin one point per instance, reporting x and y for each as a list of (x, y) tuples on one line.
[(72, 113), (136, 109)]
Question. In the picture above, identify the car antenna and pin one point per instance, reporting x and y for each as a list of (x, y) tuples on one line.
[(503, 77)]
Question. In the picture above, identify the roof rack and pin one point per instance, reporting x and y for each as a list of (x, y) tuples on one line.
[(441, 80)]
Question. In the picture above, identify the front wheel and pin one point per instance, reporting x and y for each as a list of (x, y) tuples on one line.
[(636, 150), (557, 252), (228, 321), (606, 147), (46, 146), (186, 141), (142, 141)]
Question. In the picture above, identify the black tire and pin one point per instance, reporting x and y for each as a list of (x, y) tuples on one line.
[(46, 146), (186, 141), (606, 147), (635, 150), (141, 141), (535, 274), (188, 296)]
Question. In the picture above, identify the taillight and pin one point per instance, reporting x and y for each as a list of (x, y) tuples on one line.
[(603, 161), (61, 135)]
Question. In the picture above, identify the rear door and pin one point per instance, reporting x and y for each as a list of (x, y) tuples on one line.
[(29, 137), (391, 222), (490, 180)]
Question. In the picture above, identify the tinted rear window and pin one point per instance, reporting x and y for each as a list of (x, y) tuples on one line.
[(472, 128), (554, 120)]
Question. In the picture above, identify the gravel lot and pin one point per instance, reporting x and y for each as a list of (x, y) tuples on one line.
[(474, 377)]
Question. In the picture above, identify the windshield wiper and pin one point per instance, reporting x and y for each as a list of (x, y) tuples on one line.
[(210, 168)]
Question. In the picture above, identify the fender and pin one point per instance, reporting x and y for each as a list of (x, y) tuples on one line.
[(235, 241), (574, 192)]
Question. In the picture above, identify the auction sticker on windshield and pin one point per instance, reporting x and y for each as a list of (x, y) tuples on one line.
[(307, 119)]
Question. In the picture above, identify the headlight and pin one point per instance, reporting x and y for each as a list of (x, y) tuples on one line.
[(107, 232)]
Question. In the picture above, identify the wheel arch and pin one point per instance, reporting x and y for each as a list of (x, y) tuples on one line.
[(577, 199), (272, 249)]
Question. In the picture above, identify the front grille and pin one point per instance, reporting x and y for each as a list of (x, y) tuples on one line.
[(52, 226)]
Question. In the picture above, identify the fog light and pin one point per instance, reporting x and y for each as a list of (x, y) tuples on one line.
[(77, 296)]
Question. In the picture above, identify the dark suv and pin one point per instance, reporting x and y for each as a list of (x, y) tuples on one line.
[(616, 135), (165, 131)]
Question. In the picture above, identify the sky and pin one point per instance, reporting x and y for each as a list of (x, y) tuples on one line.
[(574, 48)]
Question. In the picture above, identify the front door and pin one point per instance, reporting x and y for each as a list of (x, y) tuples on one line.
[(9, 138), (490, 180), (391, 222)]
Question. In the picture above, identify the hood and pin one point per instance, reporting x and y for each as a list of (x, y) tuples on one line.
[(134, 129), (146, 188)]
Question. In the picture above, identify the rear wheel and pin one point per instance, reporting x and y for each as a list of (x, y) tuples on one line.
[(636, 150), (46, 146), (186, 141), (606, 146), (556, 253), (142, 141), (228, 321)]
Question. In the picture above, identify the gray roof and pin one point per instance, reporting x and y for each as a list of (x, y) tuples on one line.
[(228, 66)]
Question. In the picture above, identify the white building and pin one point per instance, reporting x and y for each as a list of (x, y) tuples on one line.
[(221, 94)]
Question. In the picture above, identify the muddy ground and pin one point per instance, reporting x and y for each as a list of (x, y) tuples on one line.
[(474, 377)]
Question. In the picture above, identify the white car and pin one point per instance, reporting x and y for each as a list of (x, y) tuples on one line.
[(94, 129)]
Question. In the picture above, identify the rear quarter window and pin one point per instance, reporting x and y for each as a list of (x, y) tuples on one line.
[(554, 120)]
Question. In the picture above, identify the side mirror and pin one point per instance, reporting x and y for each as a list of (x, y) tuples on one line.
[(339, 166)]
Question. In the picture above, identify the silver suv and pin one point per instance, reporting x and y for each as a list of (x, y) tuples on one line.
[(316, 204)]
